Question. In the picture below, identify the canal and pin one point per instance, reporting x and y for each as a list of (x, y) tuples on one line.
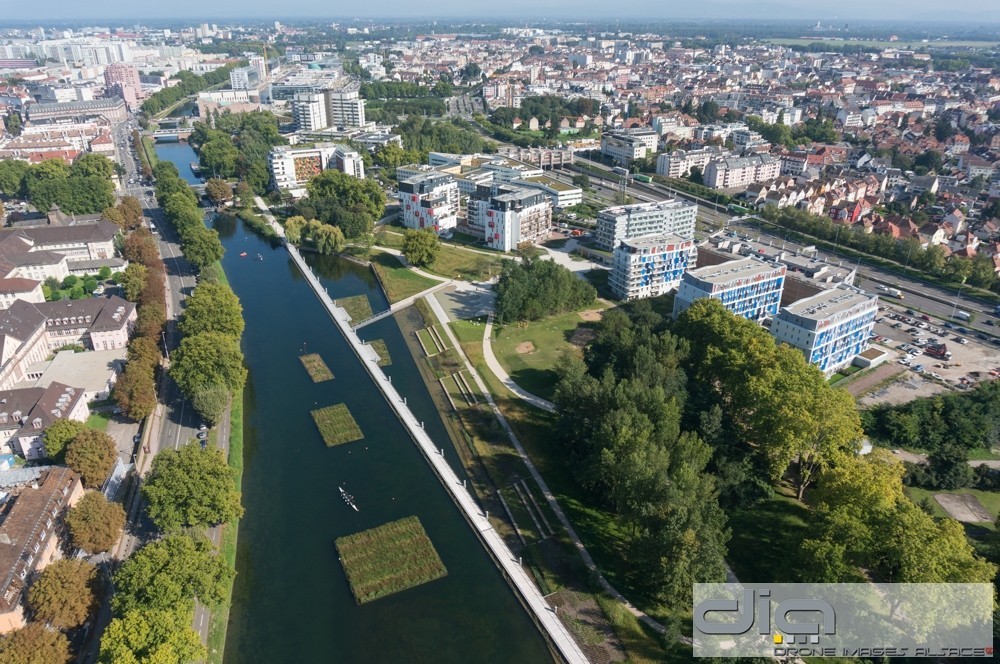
[(291, 601), (181, 155)]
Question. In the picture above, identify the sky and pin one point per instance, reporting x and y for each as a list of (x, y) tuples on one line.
[(232, 10)]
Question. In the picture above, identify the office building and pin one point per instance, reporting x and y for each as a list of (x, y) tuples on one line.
[(112, 110), (623, 148), (244, 78), (309, 111), (650, 266), (509, 215), (748, 287), (830, 328), (629, 221), (291, 169), (344, 105), (429, 200)]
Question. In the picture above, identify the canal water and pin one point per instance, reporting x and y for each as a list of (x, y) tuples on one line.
[(181, 154), (291, 601)]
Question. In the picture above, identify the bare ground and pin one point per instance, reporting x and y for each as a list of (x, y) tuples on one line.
[(963, 507), (591, 315), (525, 347), (906, 389), (582, 336)]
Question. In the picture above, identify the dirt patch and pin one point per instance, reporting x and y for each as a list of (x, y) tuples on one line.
[(585, 620), (525, 347), (907, 388), (582, 336), (963, 507), (591, 315)]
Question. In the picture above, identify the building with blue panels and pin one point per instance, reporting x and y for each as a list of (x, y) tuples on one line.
[(748, 287), (831, 328), (650, 266)]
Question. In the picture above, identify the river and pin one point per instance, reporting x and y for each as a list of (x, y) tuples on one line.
[(181, 154), (291, 601)]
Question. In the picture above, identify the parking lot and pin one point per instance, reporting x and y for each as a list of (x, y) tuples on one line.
[(938, 351)]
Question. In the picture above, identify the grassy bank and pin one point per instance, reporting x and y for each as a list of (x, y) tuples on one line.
[(452, 261), (219, 621), (398, 282), (148, 153)]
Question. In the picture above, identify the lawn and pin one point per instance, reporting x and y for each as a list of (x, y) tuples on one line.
[(462, 264), (382, 350), (398, 281), (389, 559), (357, 307), (529, 351), (765, 539), (336, 425), (316, 367), (99, 420), (989, 499)]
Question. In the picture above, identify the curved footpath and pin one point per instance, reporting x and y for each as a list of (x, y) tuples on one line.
[(504, 377), (545, 615)]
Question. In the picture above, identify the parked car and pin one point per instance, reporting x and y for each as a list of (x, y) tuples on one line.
[(962, 340), (202, 435), (136, 438), (911, 312), (925, 317), (203, 427)]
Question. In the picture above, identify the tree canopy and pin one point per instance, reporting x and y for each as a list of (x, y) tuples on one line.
[(534, 288), (208, 359), (349, 192), (92, 453), (191, 487), (95, 523), (59, 435), (161, 636), (34, 644), (212, 307), (65, 594), (421, 246)]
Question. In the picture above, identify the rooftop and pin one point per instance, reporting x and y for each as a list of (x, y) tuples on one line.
[(829, 302), (637, 208), (744, 268)]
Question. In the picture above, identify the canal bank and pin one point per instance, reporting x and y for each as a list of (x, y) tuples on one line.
[(291, 600)]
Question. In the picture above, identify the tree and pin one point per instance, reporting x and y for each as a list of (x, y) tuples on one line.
[(349, 192), (92, 164), (293, 229), (218, 190), (208, 359), (104, 273), (696, 176), (135, 391), (169, 574), (12, 121), (65, 594), (92, 454), (202, 247), (95, 523), (582, 180), (328, 239), (191, 487), (212, 308), (114, 214), (89, 284), (12, 175), (950, 467), (244, 192), (211, 402), (160, 636), (34, 644), (533, 289), (131, 209), (59, 435), (421, 247)]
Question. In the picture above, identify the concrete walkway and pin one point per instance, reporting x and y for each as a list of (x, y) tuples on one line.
[(504, 377), (544, 614), (549, 497), (402, 304)]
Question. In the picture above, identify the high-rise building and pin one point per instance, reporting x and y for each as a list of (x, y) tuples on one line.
[(830, 328), (309, 111), (344, 105), (650, 266), (244, 78), (629, 221), (124, 79), (429, 200), (748, 287), (509, 215)]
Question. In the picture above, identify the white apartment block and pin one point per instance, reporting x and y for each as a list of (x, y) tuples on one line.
[(748, 287), (630, 221), (678, 164), (624, 149), (429, 200), (344, 106), (291, 169), (309, 111), (741, 172), (509, 215), (650, 266), (831, 328), (561, 194), (244, 78)]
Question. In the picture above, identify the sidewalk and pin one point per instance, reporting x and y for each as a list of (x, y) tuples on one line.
[(501, 373)]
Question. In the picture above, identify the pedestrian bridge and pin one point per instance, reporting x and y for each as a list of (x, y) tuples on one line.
[(170, 134)]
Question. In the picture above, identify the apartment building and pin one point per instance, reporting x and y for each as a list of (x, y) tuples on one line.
[(650, 266), (26, 412), (292, 169), (623, 148), (623, 222), (124, 79), (429, 200), (748, 287), (678, 164), (561, 194), (830, 328), (742, 171), (244, 78), (509, 215), (309, 111), (340, 106)]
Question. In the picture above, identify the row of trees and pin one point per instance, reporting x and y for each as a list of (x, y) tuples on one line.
[(153, 604), (143, 282), (127, 214), (191, 488), (89, 452), (404, 90), (533, 289), (201, 246), (547, 108), (190, 83), (236, 145), (818, 130), (977, 271), (326, 239), (456, 136), (83, 188)]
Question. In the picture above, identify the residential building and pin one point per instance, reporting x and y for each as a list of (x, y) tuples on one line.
[(26, 412), (429, 200), (651, 265), (623, 148), (509, 215), (309, 111), (244, 78), (30, 534), (561, 194), (830, 328), (748, 287), (742, 171), (344, 105), (623, 222), (293, 168), (678, 164), (16, 288), (124, 79)]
